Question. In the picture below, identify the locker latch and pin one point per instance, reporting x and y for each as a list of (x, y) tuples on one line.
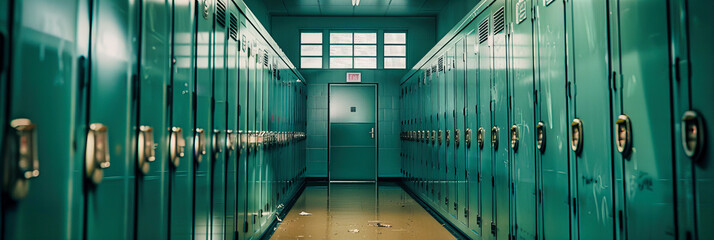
[(21, 163), (177, 146), (467, 137), (576, 143), (97, 152), (199, 143), (231, 140), (440, 136), (494, 137), (624, 135), (448, 137), (692, 134), (433, 137), (540, 136), (456, 137), (480, 138), (217, 143), (146, 148), (514, 138)]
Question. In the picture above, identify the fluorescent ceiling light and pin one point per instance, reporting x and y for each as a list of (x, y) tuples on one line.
[(355, 2)]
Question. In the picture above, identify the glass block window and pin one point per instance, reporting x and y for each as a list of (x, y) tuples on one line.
[(395, 50), (353, 50), (310, 49)]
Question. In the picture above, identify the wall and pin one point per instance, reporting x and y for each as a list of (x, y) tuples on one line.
[(260, 11), (451, 14), (420, 38)]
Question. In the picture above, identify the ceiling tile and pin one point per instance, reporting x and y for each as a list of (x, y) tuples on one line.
[(414, 3), (374, 3), (434, 5), (331, 10), (303, 10), (368, 10), (336, 3), (300, 2)]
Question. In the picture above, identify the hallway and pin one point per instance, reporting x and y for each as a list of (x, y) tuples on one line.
[(358, 211)]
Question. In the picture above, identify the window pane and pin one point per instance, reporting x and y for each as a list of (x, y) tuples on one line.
[(395, 38), (366, 63), (311, 62), (399, 63), (311, 50), (340, 62), (366, 38), (395, 50), (366, 50), (340, 50), (308, 37), (340, 37)]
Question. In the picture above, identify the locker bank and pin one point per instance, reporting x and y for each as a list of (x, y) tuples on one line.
[(356, 119)]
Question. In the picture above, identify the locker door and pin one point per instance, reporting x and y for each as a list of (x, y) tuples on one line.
[(440, 77), (449, 115), (262, 120), (181, 118), (500, 127), (219, 108), (642, 100), (521, 84), (552, 123), (483, 133), (244, 73), (259, 125), (39, 172), (252, 165), (692, 83), (204, 120), (4, 49), (231, 162), (151, 157), (590, 123), (433, 148), (472, 125), (460, 203)]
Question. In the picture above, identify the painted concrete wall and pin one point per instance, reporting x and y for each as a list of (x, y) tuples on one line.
[(451, 14), (260, 11), (420, 38)]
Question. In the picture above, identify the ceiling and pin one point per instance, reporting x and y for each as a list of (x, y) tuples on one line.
[(345, 8)]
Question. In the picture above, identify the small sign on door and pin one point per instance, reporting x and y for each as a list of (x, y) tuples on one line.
[(354, 77)]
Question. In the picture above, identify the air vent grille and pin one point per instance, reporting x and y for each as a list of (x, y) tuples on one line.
[(233, 30), (265, 58), (498, 20), (221, 12), (483, 31), (441, 64)]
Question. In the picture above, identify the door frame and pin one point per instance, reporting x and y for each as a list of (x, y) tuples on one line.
[(376, 129)]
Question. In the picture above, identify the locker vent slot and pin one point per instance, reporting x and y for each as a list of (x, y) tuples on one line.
[(433, 69), (221, 12), (441, 64), (498, 20), (233, 30), (265, 58), (483, 31)]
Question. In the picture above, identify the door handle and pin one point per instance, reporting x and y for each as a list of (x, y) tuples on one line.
[(199, 144), (177, 145), (97, 152), (146, 148), (692, 134), (20, 160), (371, 133)]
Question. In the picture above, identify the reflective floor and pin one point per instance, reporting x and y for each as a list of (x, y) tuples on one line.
[(358, 211)]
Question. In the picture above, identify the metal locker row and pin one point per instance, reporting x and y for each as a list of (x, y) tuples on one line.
[(140, 119), (565, 120)]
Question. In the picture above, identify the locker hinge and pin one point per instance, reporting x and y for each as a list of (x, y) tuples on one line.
[(677, 69), (513, 188), (466, 213), (613, 81), (540, 196), (245, 226), (493, 228), (535, 96), (493, 181), (478, 220), (575, 207), (568, 91)]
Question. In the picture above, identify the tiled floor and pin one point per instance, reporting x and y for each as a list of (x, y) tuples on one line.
[(358, 211)]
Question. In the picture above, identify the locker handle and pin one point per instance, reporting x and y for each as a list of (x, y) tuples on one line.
[(177, 146), (433, 137), (371, 133), (21, 160), (448, 137), (146, 148), (456, 137), (540, 136), (624, 135), (494, 137), (439, 137), (692, 134), (199, 144), (514, 138), (576, 143), (231, 140), (97, 152), (480, 138), (467, 137)]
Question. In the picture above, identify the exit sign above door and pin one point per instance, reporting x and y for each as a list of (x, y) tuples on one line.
[(354, 77)]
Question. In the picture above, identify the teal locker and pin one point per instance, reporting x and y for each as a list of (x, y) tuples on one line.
[(243, 58), (589, 145), (151, 133), (219, 108), (433, 167), (440, 79), (642, 101), (552, 127), (261, 55), (522, 117), (203, 133), (461, 202), (231, 156), (500, 127), (446, 66), (253, 189), (181, 136), (471, 120), (483, 133), (261, 108), (691, 82), (4, 49), (41, 182)]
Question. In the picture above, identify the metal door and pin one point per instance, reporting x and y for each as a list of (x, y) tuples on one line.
[(460, 203), (352, 132), (642, 109), (693, 116), (589, 145), (253, 190), (521, 134), (41, 183), (500, 127), (244, 73), (552, 126), (180, 139), (204, 120), (483, 133), (472, 125), (447, 65), (231, 136), (219, 111)]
